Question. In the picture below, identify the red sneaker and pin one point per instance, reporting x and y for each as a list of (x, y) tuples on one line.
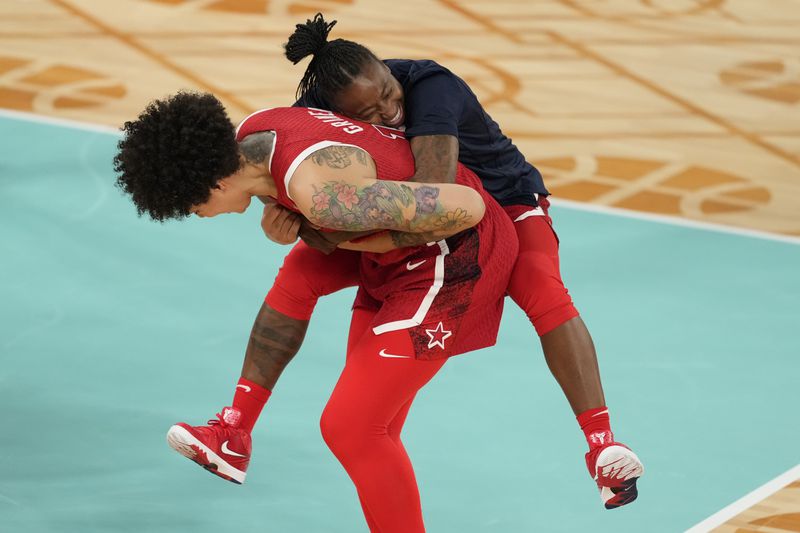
[(616, 469), (220, 447)]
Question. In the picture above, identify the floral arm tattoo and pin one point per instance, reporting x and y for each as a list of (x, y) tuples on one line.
[(385, 204), (415, 211)]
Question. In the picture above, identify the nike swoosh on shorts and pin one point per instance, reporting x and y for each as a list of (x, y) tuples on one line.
[(383, 353)]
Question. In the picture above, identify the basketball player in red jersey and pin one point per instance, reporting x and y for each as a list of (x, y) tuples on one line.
[(446, 123), (416, 306)]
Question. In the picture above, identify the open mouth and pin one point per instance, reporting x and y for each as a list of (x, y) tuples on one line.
[(397, 120)]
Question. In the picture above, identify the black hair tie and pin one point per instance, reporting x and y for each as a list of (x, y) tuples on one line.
[(322, 49)]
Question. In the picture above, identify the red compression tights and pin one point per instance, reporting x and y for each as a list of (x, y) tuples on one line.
[(364, 417)]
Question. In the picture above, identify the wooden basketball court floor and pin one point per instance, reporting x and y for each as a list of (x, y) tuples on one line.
[(668, 134)]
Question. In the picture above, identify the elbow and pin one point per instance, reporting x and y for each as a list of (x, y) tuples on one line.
[(477, 208)]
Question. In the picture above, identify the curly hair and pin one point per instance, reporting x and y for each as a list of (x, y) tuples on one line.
[(174, 153)]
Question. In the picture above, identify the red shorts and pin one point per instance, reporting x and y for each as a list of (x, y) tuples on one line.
[(307, 274), (448, 295), (535, 284)]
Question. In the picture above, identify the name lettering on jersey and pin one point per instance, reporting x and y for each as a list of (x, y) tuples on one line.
[(329, 118)]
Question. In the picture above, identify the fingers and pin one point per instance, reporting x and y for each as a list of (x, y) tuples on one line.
[(290, 225), (270, 213), (279, 224)]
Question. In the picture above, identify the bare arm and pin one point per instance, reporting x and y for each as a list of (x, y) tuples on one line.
[(435, 158), (336, 188), (391, 240), (284, 226)]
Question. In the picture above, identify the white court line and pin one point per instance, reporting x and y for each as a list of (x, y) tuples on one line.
[(63, 122), (761, 493), (675, 221), (579, 206)]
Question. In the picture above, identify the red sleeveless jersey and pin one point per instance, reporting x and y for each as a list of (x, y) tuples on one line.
[(447, 294), (301, 131)]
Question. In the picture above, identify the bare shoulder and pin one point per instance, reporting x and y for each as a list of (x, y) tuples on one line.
[(332, 163), (339, 157), (329, 171)]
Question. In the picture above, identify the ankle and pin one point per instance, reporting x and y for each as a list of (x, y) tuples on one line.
[(596, 426), (249, 400)]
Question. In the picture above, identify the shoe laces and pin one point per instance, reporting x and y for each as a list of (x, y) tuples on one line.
[(218, 421), (229, 417)]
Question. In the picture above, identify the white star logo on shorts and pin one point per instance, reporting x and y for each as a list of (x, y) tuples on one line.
[(438, 336)]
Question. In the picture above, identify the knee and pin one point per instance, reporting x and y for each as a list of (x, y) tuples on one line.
[(300, 282), (331, 427), (317, 274), (536, 287), (341, 432), (535, 278), (296, 273)]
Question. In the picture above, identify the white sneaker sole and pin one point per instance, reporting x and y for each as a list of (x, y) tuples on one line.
[(182, 442), (617, 465)]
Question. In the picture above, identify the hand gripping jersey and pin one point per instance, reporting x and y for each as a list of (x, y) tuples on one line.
[(447, 294)]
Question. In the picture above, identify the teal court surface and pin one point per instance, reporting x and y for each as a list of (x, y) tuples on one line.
[(114, 327)]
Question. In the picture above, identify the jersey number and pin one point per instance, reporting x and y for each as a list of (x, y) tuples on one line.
[(389, 133)]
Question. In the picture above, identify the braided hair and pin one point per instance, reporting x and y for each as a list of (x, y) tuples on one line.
[(334, 65)]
